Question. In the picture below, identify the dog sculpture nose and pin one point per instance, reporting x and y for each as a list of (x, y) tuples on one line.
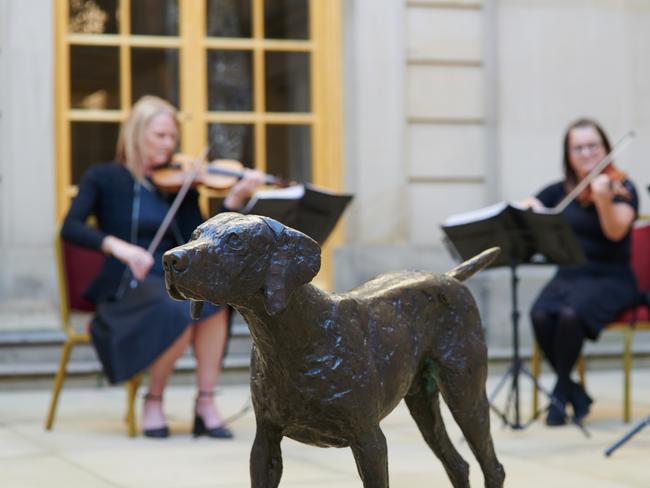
[(176, 260)]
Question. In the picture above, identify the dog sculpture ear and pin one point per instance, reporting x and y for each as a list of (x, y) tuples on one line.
[(294, 262)]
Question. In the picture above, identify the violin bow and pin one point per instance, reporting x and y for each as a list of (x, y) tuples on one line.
[(618, 147), (187, 183), (169, 216)]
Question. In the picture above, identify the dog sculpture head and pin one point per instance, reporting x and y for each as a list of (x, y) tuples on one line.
[(231, 258)]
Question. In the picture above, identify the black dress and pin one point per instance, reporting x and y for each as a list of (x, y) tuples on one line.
[(604, 286), (149, 319)]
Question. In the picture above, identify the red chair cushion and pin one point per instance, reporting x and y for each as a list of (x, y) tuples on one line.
[(81, 266), (640, 313), (641, 255)]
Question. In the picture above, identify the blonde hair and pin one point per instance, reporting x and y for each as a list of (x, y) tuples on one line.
[(129, 143)]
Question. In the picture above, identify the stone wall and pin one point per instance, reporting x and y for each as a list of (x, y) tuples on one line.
[(478, 96), (27, 283)]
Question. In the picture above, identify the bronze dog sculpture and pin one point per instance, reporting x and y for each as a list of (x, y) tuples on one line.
[(327, 368)]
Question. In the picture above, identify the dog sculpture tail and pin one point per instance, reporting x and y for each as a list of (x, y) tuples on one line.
[(473, 265)]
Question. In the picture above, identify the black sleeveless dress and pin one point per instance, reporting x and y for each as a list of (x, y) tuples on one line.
[(604, 286)]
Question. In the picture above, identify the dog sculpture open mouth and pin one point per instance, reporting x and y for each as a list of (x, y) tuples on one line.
[(172, 290), (196, 306)]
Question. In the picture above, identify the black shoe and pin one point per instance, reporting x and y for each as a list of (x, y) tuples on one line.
[(200, 429), (580, 401), (556, 416), (557, 410), (221, 432), (159, 433)]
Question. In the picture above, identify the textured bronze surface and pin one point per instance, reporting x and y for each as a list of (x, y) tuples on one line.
[(326, 368)]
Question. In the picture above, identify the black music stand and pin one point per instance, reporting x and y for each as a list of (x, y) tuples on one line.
[(525, 237), (307, 208), (632, 432)]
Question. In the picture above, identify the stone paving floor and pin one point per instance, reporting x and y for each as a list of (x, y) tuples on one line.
[(89, 447)]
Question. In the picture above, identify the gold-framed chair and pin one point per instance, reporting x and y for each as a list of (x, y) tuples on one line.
[(629, 321), (75, 268)]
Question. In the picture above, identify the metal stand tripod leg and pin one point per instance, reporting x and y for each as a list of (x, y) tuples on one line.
[(628, 436), (515, 367)]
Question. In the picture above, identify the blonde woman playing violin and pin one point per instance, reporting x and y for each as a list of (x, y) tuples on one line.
[(579, 300), (129, 210)]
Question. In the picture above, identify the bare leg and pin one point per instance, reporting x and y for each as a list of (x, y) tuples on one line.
[(209, 343), (159, 372)]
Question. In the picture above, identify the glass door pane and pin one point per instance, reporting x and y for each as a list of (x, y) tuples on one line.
[(232, 141), (286, 19), (288, 152), (92, 16), (154, 17), (94, 77), (91, 142), (230, 80), (155, 71), (287, 81), (229, 18)]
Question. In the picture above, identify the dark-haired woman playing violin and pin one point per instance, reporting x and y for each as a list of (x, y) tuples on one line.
[(579, 300), (129, 209)]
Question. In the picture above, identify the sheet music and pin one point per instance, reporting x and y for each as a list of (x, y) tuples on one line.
[(304, 207), (524, 235), (491, 211), (295, 192)]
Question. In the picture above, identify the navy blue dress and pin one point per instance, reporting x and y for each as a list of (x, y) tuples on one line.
[(602, 287), (149, 319)]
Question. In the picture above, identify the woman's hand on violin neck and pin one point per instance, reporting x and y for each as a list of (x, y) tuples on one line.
[(242, 190), (136, 258)]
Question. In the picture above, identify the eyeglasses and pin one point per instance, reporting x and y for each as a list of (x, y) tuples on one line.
[(591, 147)]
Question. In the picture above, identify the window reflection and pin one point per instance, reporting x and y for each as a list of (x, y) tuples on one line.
[(230, 83), (154, 17), (232, 141), (287, 82), (286, 19), (92, 16), (288, 151), (91, 142), (229, 18), (155, 72), (94, 77)]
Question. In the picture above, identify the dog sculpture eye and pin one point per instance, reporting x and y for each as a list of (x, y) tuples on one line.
[(234, 242)]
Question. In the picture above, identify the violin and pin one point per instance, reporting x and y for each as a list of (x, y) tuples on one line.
[(220, 174), (184, 172), (616, 178)]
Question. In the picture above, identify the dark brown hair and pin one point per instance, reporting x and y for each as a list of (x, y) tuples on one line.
[(570, 178)]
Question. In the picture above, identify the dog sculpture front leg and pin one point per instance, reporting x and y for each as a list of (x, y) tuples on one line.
[(371, 455), (266, 457)]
